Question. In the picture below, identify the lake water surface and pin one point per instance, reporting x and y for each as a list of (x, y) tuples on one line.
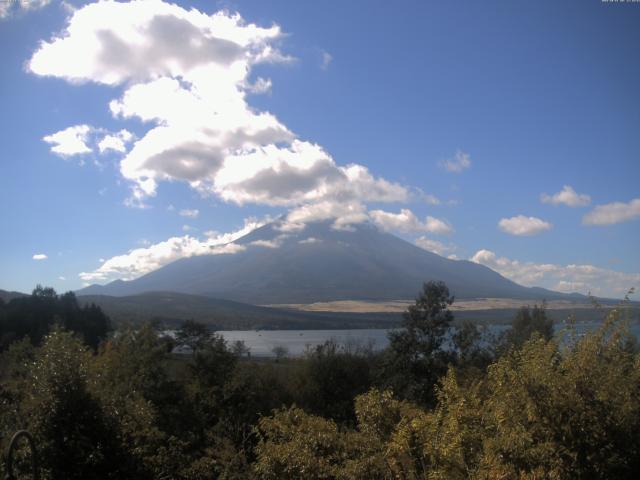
[(262, 342)]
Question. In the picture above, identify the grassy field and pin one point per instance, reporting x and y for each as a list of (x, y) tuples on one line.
[(396, 306)]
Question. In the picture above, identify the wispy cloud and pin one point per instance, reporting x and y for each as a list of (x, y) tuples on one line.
[(193, 213), (565, 278), (325, 60), (567, 196), (523, 226), (407, 221), (13, 7), (458, 163), (40, 256), (139, 261), (612, 213), (435, 246)]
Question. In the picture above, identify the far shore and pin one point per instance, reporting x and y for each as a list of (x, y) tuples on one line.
[(397, 306)]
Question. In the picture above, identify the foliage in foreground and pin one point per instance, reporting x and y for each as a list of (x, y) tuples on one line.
[(545, 411), (528, 406)]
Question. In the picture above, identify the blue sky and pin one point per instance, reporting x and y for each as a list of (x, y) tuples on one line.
[(459, 116)]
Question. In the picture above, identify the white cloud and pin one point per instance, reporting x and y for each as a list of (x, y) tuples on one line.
[(566, 278), (300, 173), (352, 212), (325, 60), (139, 261), (39, 256), (261, 85), (567, 196), (309, 240), (70, 141), (437, 247), (193, 213), (289, 227), (203, 132), (275, 243), (430, 199), (406, 221), (523, 226), (612, 213), (116, 142), (460, 162), (11, 7), (343, 214), (62, 278)]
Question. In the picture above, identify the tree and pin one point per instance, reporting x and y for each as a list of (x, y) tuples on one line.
[(527, 322), (129, 377), (75, 439), (415, 357), (472, 348), (33, 316), (240, 349), (545, 410), (194, 335), (329, 378), (280, 351)]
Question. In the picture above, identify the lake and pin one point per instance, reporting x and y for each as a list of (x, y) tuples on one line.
[(262, 342)]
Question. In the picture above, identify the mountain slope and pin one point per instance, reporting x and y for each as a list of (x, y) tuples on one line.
[(319, 263), (8, 296), (173, 308)]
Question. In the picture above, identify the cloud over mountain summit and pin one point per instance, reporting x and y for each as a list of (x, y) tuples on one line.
[(204, 132)]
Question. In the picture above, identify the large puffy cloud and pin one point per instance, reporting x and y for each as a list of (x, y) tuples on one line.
[(139, 261), (202, 132), (566, 278), (407, 221), (523, 226), (612, 213), (297, 174), (567, 196), (112, 42)]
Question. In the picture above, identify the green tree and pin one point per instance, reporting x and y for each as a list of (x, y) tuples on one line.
[(329, 378), (75, 438), (33, 317), (415, 358), (194, 335), (527, 322)]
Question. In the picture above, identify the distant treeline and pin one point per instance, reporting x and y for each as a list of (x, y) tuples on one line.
[(33, 316), (525, 405)]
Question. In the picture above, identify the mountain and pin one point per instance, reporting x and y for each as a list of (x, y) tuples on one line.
[(8, 296), (319, 263), (173, 308)]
